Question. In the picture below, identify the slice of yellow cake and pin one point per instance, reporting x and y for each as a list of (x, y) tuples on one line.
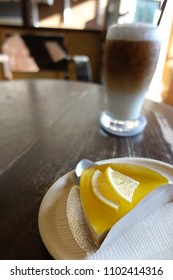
[(110, 191)]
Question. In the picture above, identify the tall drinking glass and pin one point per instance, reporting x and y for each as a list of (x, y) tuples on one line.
[(131, 54)]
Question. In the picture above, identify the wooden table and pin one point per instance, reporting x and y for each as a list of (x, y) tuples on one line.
[(46, 127)]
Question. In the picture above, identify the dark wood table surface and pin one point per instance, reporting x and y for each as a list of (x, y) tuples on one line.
[(46, 127)]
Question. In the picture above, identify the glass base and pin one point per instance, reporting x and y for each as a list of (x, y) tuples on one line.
[(122, 128)]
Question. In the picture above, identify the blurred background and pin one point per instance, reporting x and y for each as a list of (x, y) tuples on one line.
[(64, 39)]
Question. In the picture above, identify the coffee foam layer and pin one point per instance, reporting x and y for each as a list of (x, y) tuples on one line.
[(133, 32)]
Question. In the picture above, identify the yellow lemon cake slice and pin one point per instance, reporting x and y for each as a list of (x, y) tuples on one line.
[(109, 191)]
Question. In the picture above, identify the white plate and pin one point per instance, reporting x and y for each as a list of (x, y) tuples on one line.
[(52, 220)]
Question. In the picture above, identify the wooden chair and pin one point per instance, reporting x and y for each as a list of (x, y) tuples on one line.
[(40, 56), (83, 49)]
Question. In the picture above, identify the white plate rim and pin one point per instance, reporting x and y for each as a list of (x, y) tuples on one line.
[(163, 167)]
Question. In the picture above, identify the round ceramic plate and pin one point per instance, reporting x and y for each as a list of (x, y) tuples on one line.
[(52, 220)]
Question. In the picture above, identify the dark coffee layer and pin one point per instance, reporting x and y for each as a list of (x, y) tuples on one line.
[(129, 65)]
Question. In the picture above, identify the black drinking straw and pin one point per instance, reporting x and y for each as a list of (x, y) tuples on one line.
[(162, 11)]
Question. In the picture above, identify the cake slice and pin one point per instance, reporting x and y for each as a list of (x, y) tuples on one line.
[(100, 215), (90, 211)]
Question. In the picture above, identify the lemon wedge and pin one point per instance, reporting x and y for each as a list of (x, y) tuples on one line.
[(121, 184), (103, 191)]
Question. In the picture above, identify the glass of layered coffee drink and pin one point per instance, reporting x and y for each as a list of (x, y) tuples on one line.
[(131, 53)]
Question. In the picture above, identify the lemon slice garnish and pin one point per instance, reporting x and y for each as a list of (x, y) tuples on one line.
[(123, 185), (103, 191)]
